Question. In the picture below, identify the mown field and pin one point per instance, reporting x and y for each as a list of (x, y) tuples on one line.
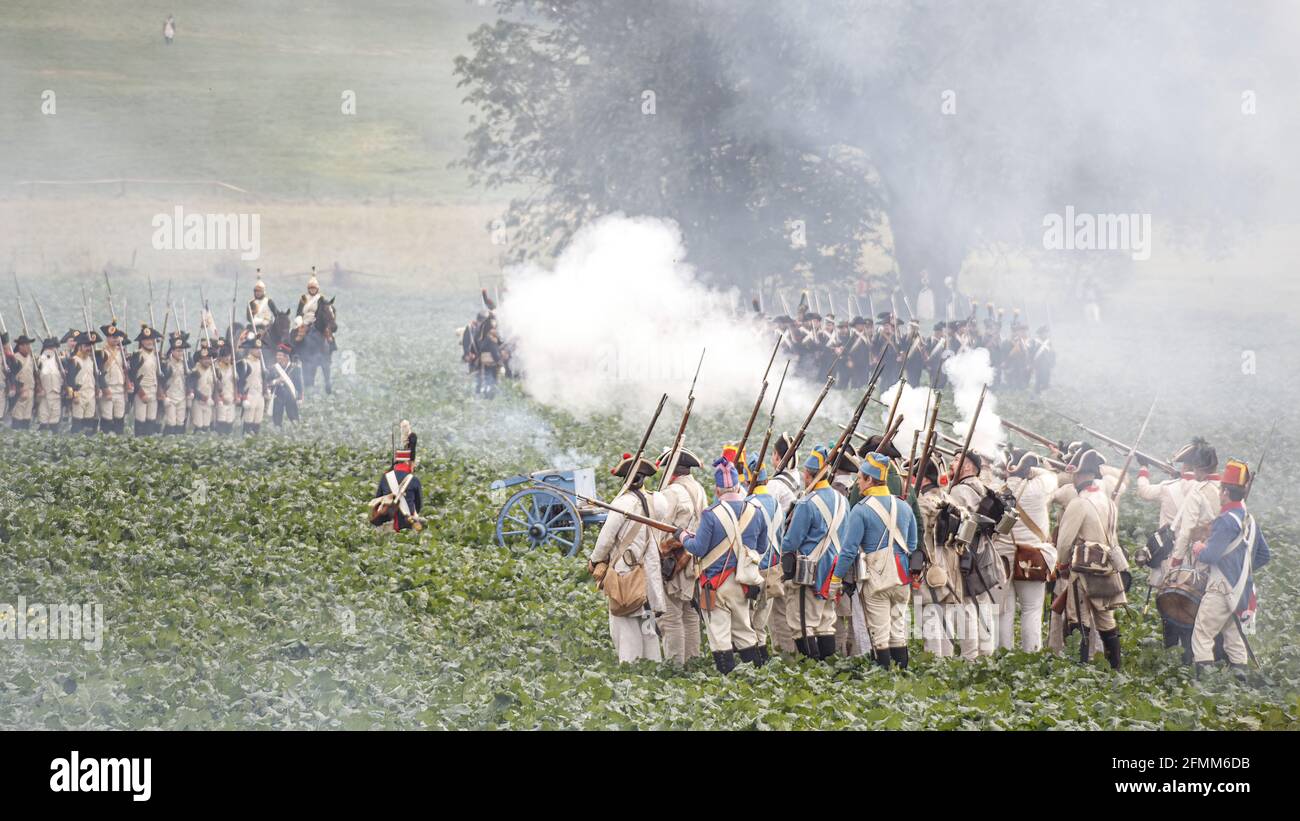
[(242, 587)]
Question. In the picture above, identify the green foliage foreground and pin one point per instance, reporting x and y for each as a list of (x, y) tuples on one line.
[(242, 588)]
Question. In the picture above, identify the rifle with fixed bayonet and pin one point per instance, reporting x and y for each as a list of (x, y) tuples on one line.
[(758, 403), (1118, 445), (803, 429), (847, 432), (1128, 460), (680, 438), (631, 473), (970, 434), (771, 425)]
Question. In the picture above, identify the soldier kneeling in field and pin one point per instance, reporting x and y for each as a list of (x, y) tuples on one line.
[(399, 496)]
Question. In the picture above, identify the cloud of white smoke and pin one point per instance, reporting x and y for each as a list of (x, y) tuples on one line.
[(968, 372), (621, 319), (913, 410)]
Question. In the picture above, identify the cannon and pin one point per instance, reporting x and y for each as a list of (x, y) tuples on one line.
[(537, 517)]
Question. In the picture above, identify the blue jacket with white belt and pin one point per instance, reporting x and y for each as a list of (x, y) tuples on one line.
[(866, 532), (711, 534), (808, 526), (1223, 533)]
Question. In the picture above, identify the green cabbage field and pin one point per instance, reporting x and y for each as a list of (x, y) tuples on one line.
[(242, 587)]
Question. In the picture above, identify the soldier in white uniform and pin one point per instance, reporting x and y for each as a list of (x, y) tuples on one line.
[(261, 308), (224, 392), (940, 588), (978, 615), (83, 376), (146, 376), (115, 378), (1031, 550), (22, 382), (309, 301), (1091, 597), (684, 500), (49, 386), (251, 373), (203, 387), (176, 379), (621, 545)]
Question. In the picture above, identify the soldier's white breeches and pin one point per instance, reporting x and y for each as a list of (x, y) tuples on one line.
[(818, 614), (938, 626), (50, 410), (887, 613), (146, 411), (728, 624), (254, 409), (681, 627), (779, 626), (978, 628), (174, 412), (225, 413), (1029, 597), (634, 637), (84, 405), (1214, 618), (23, 408), (113, 406), (760, 615), (201, 414)]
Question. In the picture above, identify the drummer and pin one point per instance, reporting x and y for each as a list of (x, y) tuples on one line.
[(1188, 505)]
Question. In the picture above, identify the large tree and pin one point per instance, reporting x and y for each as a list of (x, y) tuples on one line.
[(941, 126)]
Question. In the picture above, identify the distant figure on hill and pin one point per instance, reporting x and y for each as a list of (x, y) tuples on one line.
[(169, 30)]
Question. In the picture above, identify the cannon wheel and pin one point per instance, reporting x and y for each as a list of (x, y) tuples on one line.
[(540, 518)]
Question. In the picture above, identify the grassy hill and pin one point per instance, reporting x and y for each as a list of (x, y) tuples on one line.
[(250, 93)]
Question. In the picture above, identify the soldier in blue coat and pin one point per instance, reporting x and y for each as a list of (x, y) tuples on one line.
[(730, 525), (809, 550), (400, 496), (1233, 551), (770, 550), (882, 521)]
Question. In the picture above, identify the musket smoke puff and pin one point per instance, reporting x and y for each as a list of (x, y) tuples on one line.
[(968, 372), (622, 318)]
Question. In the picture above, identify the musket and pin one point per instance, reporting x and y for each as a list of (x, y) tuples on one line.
[(636, 517), (21, 313), (4, 361), (681, 430), (1029, 434), (908, 306), (50, 335), (817, 301), (1163, 465), (185, 364), (889, 424), (85, 313), (771, 425), (830, 300), (758, 403), (631, 473), (857, 309), (1250, 483), (112, 312), (1128, 460), (834, 455), (970, 434), (152, 319), (798, 437), (918, 469), (784, 304)]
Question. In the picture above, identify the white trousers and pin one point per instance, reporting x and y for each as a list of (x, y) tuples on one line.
[(681, 627), (728, 624), (1028, 596), (634, 637), (1213, 618), (113, 406)]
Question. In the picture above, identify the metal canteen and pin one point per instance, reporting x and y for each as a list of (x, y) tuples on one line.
[(1008, 521), (805, 571), (967, 530)]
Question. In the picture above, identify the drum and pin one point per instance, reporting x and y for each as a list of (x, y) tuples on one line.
[(1180, 596)]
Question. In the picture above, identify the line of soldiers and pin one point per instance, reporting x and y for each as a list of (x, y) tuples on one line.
[(854, 346), (164, 391), (861, 556)]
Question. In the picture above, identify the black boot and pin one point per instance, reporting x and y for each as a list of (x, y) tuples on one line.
[(1085, 640), (762, 655), (1238, 670), (1219, 653), (751, 655), (725, 661), (1110, 643), (807, 646), (1171, 633), (1185, 639), (1201, 666), (825, 647), (899, 655), (883, 657)]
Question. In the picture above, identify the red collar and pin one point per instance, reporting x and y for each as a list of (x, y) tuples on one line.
[(1231, 505), (402, 467), (1091, 487)]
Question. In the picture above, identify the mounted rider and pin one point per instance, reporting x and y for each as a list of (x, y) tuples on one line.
[(261, 308)]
